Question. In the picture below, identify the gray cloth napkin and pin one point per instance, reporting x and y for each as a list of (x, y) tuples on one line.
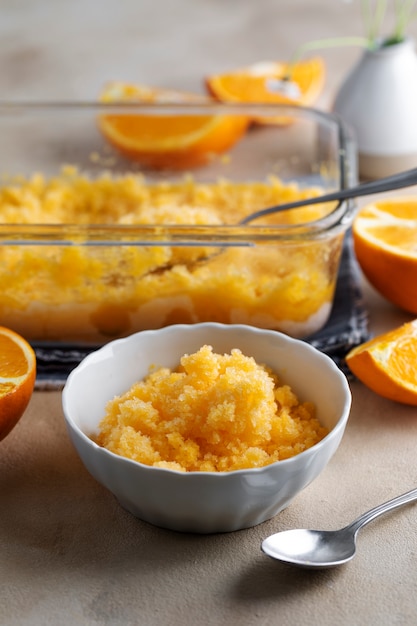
[(348, 323)]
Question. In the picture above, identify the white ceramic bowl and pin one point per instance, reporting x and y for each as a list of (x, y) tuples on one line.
[(203, 502)]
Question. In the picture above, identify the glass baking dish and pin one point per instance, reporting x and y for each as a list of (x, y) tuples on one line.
[(97, 243)]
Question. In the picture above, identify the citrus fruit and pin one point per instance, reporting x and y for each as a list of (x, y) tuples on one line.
[(17, 378), (387, 363), (267, 83), (385, 240), (168, 140)]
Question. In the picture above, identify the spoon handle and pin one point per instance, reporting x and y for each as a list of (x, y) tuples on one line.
[(397, 181), (367, 517)]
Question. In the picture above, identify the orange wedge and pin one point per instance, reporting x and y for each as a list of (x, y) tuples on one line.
[(270, 82), (387, 364), (17, 378), (385, 239), (168, 140)]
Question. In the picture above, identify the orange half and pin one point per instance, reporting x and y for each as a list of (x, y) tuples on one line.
[(168, 141), (270, 82), (387, 364), (385, 239), (17, 378)]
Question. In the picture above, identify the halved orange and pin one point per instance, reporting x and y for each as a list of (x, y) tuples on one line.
[(385, 240), (387, 364), (168, 140), (17, 378), (270, 82)]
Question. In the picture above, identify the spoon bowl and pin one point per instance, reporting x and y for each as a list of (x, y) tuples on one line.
[(390, 183), (311, 548), (326, 548)]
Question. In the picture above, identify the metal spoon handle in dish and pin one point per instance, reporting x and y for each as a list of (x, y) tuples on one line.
[(390, 183), (326, 548)]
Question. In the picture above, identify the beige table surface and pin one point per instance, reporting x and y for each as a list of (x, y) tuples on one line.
[(69, 554)]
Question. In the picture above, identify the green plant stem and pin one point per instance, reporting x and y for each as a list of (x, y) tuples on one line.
[(373, 19), (373, 14), (404, 13), (318, 44)]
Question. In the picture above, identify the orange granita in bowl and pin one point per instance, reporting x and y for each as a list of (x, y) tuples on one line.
[(215, 412), (186, 404)]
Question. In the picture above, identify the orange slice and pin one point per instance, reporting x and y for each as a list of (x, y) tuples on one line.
[(266, 83), (385, 239), (170, 140), (387, 364), (17, 378)]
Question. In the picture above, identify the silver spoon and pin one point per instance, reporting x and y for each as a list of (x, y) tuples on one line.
[(397, 181), (326, 548)]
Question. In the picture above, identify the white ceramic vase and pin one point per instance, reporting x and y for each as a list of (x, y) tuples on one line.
[(379, 101)]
